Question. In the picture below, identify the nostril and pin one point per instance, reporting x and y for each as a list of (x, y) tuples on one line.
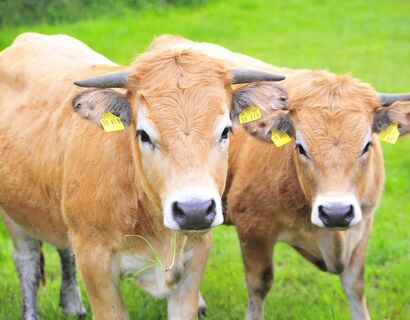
[(323, 215), (211, 209), (350, 214), (177, 211)]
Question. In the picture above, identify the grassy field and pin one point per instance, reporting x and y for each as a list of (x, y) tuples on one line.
[(369, 39)]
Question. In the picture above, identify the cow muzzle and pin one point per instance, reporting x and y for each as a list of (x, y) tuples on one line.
[(194, 215), (190, 211), (336, 211)]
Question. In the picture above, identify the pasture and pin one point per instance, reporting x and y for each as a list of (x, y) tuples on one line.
[(371, 40)]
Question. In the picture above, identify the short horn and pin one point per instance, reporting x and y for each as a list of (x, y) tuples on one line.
[(109, 80), (389, 98), (250, 75)]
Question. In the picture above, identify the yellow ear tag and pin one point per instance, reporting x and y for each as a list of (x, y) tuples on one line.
[(280, 138), (250, 114), (390, 134), (111, 123)]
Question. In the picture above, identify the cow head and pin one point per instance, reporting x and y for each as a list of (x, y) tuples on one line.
[(335, 122), (177, 107)]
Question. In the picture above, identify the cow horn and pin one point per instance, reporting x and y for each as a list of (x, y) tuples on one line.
[(109, 80), (250, 75), (389, 98)]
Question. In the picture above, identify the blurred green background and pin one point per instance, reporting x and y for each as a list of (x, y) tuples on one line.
[(370, 39)]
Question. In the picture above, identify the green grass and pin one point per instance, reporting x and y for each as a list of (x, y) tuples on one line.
[(369, 39), (18, 12)]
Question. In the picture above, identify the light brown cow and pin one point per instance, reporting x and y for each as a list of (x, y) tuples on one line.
[(67, 182), (319, 192)]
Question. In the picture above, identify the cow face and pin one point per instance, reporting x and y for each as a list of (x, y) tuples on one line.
[(182, 141), (338, 160), (335, 122), (177, 106)]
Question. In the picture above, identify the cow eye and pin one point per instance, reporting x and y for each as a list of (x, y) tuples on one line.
[(225, 133), (367, 147), (301, 150), (145, 137)]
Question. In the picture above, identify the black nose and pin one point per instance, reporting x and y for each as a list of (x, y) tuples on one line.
[(336, 215), (194, 215)]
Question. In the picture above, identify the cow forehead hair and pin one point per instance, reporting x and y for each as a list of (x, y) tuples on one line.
[(196, 112), (172, 70), (322, 91), (324, 131), (333, 140)]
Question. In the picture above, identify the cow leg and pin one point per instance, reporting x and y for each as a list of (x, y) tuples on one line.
[(27, 259), (70, 297), (352, 280), (101, 279), (183, 301), (257, 258)]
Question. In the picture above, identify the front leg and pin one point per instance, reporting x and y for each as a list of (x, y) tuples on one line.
[(101, 279), (183, 301), (257, 258), (70, 297), (352, 280)]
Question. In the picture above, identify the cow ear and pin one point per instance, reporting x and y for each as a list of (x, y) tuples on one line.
[(398, 112), (267, 103), (95, 103)]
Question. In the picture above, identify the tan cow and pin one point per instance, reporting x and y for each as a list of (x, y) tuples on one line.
[(319, 192), (114, 198)]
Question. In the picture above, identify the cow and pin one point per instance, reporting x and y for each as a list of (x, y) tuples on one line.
[(317, 193), (138, 199)]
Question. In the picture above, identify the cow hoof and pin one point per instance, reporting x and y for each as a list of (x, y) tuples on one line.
[(72, 305), (79, 316)]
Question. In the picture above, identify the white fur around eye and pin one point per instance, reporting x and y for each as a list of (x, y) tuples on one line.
[(224, 144), (223, 122), (144, 124), (300, 140)]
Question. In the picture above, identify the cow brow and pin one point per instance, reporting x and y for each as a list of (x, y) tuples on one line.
[(144, 123)]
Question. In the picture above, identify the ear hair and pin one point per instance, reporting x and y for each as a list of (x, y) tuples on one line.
[(271, 100), (284, 123), (265, 95), (92, 104), (397, 112), (381, 120)]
